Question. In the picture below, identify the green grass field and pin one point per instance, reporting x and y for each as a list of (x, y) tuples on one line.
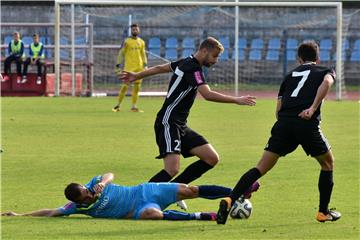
[(49, 142)]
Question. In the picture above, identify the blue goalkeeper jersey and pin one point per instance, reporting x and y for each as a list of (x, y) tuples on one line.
[(115, 201)]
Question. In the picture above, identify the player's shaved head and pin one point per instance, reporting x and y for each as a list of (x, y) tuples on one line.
[(73, 191), (210, 44), (308, 51)]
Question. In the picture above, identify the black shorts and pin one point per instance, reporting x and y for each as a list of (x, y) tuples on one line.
[(286, 135), (172, 138)]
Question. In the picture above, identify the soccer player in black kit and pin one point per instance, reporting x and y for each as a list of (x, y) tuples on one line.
[(173, 136), (298, 123)]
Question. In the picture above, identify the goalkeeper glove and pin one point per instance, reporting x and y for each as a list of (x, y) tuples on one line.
[(118, 69)]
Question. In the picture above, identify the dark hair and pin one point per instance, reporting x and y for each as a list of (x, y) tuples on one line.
[(134, 25), (211, 43), (72, 191), (35, 35), (308, 51)]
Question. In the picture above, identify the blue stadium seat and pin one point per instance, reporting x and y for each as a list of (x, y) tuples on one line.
[(291, 43), (325, 44), (241, 54), (291, 55), (187, 52), (64, 52), (154, 42), (257, 43), (154, 47), (357, 44), (8, 39), (225, 41), (188, 42), (226, 44), (346, 46), (80, 53), (171, 42), (154, 53), (324, 55), (188, 45), (274, 43), (64, 41), (171, 54), (225, 54), (242, 43), (27, 40), (43, 40), (49, 53), (80, 40), (355, 56), (242, 47), (255, 54), (272, 55)]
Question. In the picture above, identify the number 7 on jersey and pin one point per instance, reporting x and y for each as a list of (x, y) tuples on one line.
[(304, 75)]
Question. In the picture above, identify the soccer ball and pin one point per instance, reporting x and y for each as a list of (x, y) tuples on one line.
[(242, 209)]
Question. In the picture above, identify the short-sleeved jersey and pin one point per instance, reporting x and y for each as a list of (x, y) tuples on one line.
[(134, 53), (298, 90), (182, 91), (115, 201)]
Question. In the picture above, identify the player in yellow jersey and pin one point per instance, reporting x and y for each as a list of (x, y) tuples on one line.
[(133, 52)]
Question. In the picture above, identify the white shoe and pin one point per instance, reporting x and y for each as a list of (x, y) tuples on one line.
[(24, 80), (182, 204), (38, 81)]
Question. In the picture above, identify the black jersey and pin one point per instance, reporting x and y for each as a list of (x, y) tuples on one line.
[(299, 88), (182, 91)]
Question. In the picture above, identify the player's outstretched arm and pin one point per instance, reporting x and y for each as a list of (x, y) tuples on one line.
[(37, 213), (321, 93), (214, 96), (131, 76)]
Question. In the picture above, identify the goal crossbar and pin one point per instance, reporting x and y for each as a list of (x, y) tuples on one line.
[(235, 3)]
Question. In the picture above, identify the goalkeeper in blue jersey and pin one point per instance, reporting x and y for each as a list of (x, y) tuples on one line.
[(100, 198)]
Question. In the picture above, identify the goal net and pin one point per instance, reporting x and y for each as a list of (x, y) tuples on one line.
[(266, 36)]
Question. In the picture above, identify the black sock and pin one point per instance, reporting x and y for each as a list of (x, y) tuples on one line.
[(244, 183), (325, 186), (213, 191), (192, 172), (161, 176)]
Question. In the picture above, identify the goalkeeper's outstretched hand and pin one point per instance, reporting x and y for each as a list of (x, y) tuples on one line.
[(127, 77), (117, 69)]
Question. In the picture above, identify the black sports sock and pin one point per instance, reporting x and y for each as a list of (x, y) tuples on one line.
[(325, 186), (192, 172), (213, 191), (161, 176), (244, 183)]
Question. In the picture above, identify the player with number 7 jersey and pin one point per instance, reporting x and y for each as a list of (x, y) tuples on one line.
[(299, 88), (298, 123)]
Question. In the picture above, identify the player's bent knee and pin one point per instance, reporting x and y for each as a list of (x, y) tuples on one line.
[(187, 192), (326, 161), (172, 171), (151, 214), (213, 159), (194, 191)]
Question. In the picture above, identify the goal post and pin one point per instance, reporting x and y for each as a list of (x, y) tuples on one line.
[(242, 70)]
